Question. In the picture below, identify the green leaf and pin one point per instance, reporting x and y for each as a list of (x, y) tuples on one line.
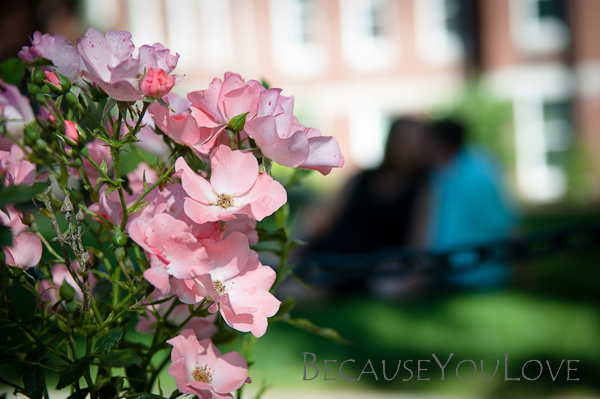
[(103, 166), (224, 337), (122, 358), (12, 71), (237, 122), (19, 194), (308, 325), (144, 181), (138, 207), (109, 340), (39, 61), (267, 165), (110, 189), (73, 372), (266, 235), (34, 382), (164, 104), (109, 105), (46, 212)]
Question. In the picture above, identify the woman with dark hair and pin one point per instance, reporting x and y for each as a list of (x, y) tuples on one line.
[(378, 208)]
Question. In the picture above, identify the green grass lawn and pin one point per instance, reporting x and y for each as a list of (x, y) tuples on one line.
[(552, 313)]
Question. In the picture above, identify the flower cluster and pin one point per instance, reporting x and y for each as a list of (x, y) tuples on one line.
[(173, 239)]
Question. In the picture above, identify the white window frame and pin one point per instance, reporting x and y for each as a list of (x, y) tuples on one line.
[(533, 35), (435, 43), (291, 56), (361, 49)]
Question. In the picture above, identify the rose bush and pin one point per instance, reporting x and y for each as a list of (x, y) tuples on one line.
[(168, 246)]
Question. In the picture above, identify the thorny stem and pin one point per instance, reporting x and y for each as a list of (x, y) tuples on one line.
[(73, 240)]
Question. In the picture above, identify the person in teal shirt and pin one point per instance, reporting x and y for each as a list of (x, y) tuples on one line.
[(468, 205)]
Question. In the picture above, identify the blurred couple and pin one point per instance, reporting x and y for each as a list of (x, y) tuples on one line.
[(431, 192)]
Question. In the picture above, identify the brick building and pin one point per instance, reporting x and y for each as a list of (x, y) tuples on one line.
[(352, 65)]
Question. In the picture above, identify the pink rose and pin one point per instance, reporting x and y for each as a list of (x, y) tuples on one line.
[(26, 248), (15, 168), (283, 139), (181, 126), (239, 289), (60, 51), (200, 369), (109, 63), (16, 113), (235, 187)]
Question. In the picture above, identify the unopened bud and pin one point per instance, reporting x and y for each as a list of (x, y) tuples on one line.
[(31, 132), (119, 238), (32, 88), (53, 82), (72, 98), (71, 133), (38, 77), (41, 144), (65, 83), (75, 197), (156, 84), (27, 218), (230, 134), (45, 89), (237, 122), (120, 253), (66, 291)]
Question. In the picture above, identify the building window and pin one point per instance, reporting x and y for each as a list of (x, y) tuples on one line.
[(439, 30), (558, 131), (540, 26), (369, 33), (544, 134), (298, 36)]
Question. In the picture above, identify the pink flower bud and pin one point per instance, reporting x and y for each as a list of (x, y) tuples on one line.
[(71, 131), (156, 83), (52, 79)]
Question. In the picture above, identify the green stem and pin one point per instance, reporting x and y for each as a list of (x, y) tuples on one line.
[(84, 176), (91, 118), (95, 165), (50, 349), (94, 214), (124, 270), (49, 247), (164, 177)]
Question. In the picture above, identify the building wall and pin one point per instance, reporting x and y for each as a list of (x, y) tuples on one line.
[(350, 76)]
